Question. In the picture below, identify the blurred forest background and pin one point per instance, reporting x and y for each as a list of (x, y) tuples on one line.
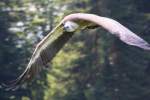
[(93, 65)]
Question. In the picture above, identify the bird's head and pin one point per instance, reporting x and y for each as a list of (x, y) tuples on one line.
[(78, 21), (70, 26)]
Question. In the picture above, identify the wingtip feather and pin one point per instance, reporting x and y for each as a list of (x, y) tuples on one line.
[(146, 47), (10, 86), (14, 84)]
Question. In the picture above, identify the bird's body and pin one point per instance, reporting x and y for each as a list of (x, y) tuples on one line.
[(55, 40)]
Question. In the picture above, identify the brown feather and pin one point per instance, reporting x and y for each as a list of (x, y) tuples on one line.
[(54, 41)]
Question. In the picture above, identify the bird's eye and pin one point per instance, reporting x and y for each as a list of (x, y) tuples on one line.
[(66, 27), (70, 26)]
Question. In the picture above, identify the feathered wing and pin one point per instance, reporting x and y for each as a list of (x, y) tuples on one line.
[(133, 39), (43, 54), (123, 33), (56, 39), (113, 27)]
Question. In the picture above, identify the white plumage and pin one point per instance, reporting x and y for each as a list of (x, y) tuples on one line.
[(54, 41)]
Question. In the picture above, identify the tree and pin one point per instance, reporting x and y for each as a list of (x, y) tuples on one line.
[(93, 65)]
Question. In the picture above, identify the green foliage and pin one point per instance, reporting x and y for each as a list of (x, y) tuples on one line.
[(93, 65)]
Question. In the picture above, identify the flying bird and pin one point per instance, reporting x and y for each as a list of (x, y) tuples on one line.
[(49, 46)]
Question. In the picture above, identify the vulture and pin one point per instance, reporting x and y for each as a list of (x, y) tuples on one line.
[(50, 45)]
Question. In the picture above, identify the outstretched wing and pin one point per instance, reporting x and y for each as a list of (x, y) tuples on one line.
[(123, 33), (55, 40), (44, 53), (113, 27), (132, 39)]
